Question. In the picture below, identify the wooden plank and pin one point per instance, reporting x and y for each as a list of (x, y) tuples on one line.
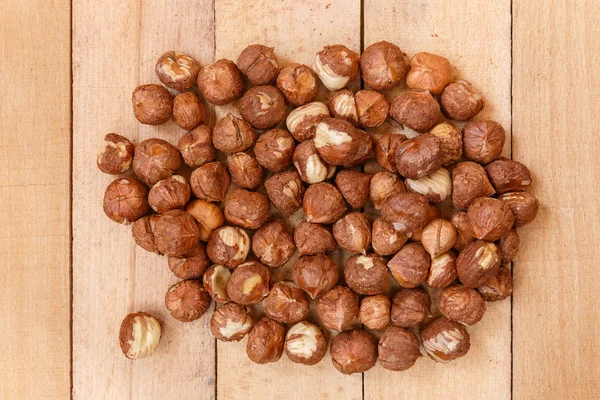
[(116, 46), (555, 91)]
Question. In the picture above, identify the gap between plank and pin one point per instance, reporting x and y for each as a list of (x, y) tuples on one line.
[(71, 350)]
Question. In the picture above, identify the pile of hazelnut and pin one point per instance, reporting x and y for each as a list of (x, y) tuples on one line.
[(448, 205)]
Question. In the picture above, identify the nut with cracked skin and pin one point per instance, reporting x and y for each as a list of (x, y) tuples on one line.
[(312, 239), (168, 194), (508, 175), (315, 274), (461, 101), (451, 142), (191, 265), (323, 203), (196, 146), (177, 70), (353, 232), (429, 72), (208, 216), (210, 181), (367, 274), (298, 83), (305, 343), (265, 341), (187, 300), (438, 236), (489, 219), (407, 212), (523, 206), (155, 160), (382, 66), (125, 200), (249, 283), (273, 244), (337, 66), (338, 308), (461, 304), (410, 265), (469, 181), (398, 349), (221, 82), (263, 107), (354, 186), (285, 190), (215, 281), (445, 340), (416, 109), (247, 209), (142, 232), (176, 233), (464, 237), (383, 185), (228, 246), (366, 108), (374, 312), (232, 134), (477, 263), (274, 149), (483, 141), (385, 150), (258, 63), (116, 155), (509, 246), (340, 143), (286, 303), (139, 335), (385, 239), (419, 157), (442, 271), (342, 104), (310, 165), (152, 104), (353, 351), (410, 307), (499, 287), (231, 322), (188, 111), (437, 187), (302, 122), (245, 171)]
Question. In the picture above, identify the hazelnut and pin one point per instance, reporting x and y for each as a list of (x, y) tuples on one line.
[(246, 209), (231, 322), (286, 303), (382, 66), (142, 231), (311, 239), (176, 233), (438, 236), (460, 101), (337, 66), (265, 341), (385, 239), (274, 149), (249, 283), (429, 72), (177, 70), (170, 193), (416, 109), (139, 335), (228, 246), (263, 107), (432, 213), (305, 343), (208, 216), (354, 186), (367, 274), (339, 143), (232, 134), (398, 349), (315, 274), (374, 312), (407, 212), (342, 104), (451, 143), (442, 271), (272, 244), (353, 351), (338, 308), (461, 304), (410, 265), (191, 265), (483, 141), (188, 112), (499, 287), (210, 181), (508, 175), (323, 203), (298, 83), (437, 187), (410, 307), (187, 300), (372, 108), (215, 281), (155, 160), (259, 64), (310, 165), (509, 246), (302, 122), (523, 206), (196, 146), (125, 200), (419, 157), (469, 181), (353, 232), (116, 154), (477, 263), (221, 83), (152, 104), (384, 185), (489, 219), (385, 150), (464, 237), (445, 340), (245, 171), (285, 190)]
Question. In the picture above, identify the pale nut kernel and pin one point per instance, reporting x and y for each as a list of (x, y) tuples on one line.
[(139, 335), (451, 143), (429, 72), (353, 232), (374, 312), (407, 212), (342, 105), (228, 246), (367, 274), (385, 239), (221, 82), (152, 104), (298, 83), (384, 185), (398, 349), (191, 265), (263, 107), (337, 66), (274, 149), (437, 187), (249, 283), (410, 307), (258, 63), (210, 182), (208, 216), (415, 109), (265, 341), (442, 271), (445, 340), (338, 308), (323, 203), (509, 246), (310, 165), (155, 160), (125, 200), (353, 351), (464, 237), (188, 111), (286, 303), (499, 287), (419, 157), (196, 146), (302, 121), (187, 300), (461, 304), (339, 143), (461, 101), (142, 232), (176, 233), (177, 70), (489, 219), (244, 170), (382, 66), (354, 186), (315, 274), (170, 193), (483, 141), (385, 150), (215, 281), (116, 154), (410, 265), (232, 134), (523, 206), (247, 209), (273, 244), (312, 239), (231, 322), (305, 343), (469, 181), (285, 190), (477, 263), (508, 175), (438, 237)]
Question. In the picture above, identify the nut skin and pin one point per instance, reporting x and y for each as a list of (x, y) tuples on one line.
[(353, 351), (384, 185), (228, 246), (273, 244), (305, 343), (407, 212), (416, 109), (298, 83), (315, 274), (483, 141), (385, 150), (419, 157), (461, 101), (429, 72), (125, 200), (339, 143), (231, 322), (432, 213), (155, 160), (302, 122), (410, 307), (152, 104), (210, 181), (445, 340), (477, 263), (509, 246), (461, 304), (170, 193), (523, 206), (274, 149), (188, 111), (142, 232), (215, 281), (398, 349), (309, 164), (265, 341), (354, 186), (508, 176), (258, 63), (285, 190), (385, 239), (438, 236), (208, 216), (338, 308), (382, 66), (372, 108), (342, 104), (451, 143), (247, 209), (191, 265), (116, 155), (489, 219), (196, 146), (469, 181), (187, 300), (249, 283), (177, 70), (176, 233), (437, 187), (312, 239), (139, 335), (499, 287), (323, 203), (263, 107), (232, 134), (286, 303), (244, 170), (353, 232), (464, 237), (410, 265), (337, 66), (374, 312), (367, 274), (443, 271), (221, 83)]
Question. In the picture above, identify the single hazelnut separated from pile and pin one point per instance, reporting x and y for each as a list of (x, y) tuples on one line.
[(215, 281), (273, 244), (385, 150), (258, 63), (410, 265), (382, 66), (312, 239), (285, 190), (315, 274), (298, 83), (142, 232), (438, 236), (188, 111), (460, 101), (353, 351), (228, 246), (477, 263), (508, 175), (367, 274), (416, 109), (245, 171), (509, 246), (210, 181), (353, 232), (451, 143), (338, 308), (354, 186), (489, 219), (410, 307), (302, 121), (231, 322), (523, 206), (274, 149), (305, 343), (337, 66), (170, 193), (196, 146), (310, 165), (499, 287), (263, 107), (265, 341), (191, 265), (461, 304), (374, 312), (469, 181), (419, 157), (177, 70), (286, 303), (208, 216), (385, 239), (383, 185), (139, 335), (221, 83), (249, 283), (323, 203), (367, 109), (398, 349), (339, 143), (125, 200), (442, 271), (407, 212), (483, 141), (152, 104), (116, 155), (464, 236), (429, 72), (176, 233), (155, 160), (437, 187), (187, 300), (232, 134), (445, 340)]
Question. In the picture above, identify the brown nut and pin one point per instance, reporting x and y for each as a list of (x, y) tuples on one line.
[(353, 351), (302, 122), (176, 233), (416, 109), (338, 308), (263, 107), (460, 101), (311, 239), (372, 108), (152, 104), (353, 232), (419, 157), (464, 237), (245, 171), (155, 160), (259, 64), (215, 281), (232, 134), (523, 206), (445, 340), (483, 141), (407, 212), (508, 175), (125, 200), (196, 146), (228, 246), (305, 343), (398, 349), (410, 265), (116, 154), (310, 165), (298, 83), (187, 300), (354, 186), (437, 187), (342, 104), (367, 274), (499, 287), (139, 335), (274, 149), (246, 209), (429, 72), (188, 111), (208, 215), (451, 142), (170, 193), (285, 190), (231, 322), (273, 244), (191, 265), (177, 70), (142, 232), (210, 181), (443, 271), (509, 246), (337, 66), (385, 150), (438, 236), (384, 185), (286, 303), (489, 219), (461, 304), (374, 312), (339, 143), (265, 341), (385, 239), (249, 283), (477, 263), (323, 203), (469, 181), (410, 307), (315, 274), (221, 83), (382, 66)]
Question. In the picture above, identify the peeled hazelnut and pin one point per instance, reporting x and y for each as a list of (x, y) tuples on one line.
[(382, 66), (208, 215), (464, 237), (245, 171), (196, 146), (155, 160), (298, 84), (410, 265), (499, 287), (477, 263), (152, 104), (416, 109), (445, 340), (443, 271), (263, 107), (367, 274), (139, 335), (523, 206), (187, 300), (374, 312), (509, 246), (353, 232), (228, 246), (265, 341), (286, 303), (323, 203), (215, 281), (249, 283), (315, 274), (354, 186), (142, 231), (338, 308), (385, 150), (508, 175), (469, 181), (210, 181), (460, 101), (410, 307), (177, 70), (191, 265), (483, 141), (461, 304), (170, 193), (353, 351), (310, 165), (125, 200), (272, 244), (438, 236), (339, 143), (246, 209), (274, 149), (305, 343), (231, 322), (451, 143), (385, 239), (188, 112), (437, 187), (116, 154), (232, 134), (407, 212), (398, 349), (285, 190), (302, 121), (342, 104), (258, 63), (419, 157), (176, 233), (311, 239), (337, 66), (429, 72), (221, 83), (384, 185), (489, 219)]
